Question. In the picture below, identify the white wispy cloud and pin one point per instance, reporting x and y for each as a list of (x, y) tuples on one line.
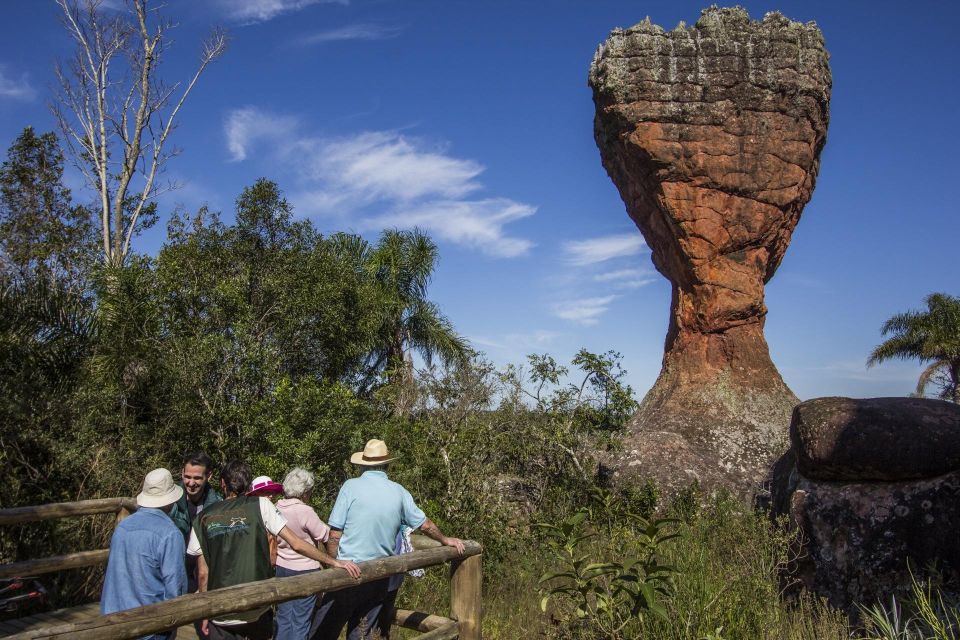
[(15, 88), (473, 223), (585, 311), (251, 11), (382, 179), (626, 278), (385, 165), (591, 251), (858, 370), (518, 343), (243, 127), (362, 31)]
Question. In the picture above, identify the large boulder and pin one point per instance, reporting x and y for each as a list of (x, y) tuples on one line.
[(874, 486), (712, 134), (880, 439)]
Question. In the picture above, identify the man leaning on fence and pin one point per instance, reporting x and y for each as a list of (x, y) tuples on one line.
[(230, 540), (365, 521), (145, 565)]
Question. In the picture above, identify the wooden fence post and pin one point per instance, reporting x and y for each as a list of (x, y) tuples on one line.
[(121, 514), (466, 579)]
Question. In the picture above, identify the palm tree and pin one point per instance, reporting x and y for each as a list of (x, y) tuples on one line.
[(402, 264), (931, 336)]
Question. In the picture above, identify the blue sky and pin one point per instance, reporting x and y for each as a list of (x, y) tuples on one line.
[(473, 120)]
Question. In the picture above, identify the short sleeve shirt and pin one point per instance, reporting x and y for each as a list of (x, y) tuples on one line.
[(303, 522), (370, 511)]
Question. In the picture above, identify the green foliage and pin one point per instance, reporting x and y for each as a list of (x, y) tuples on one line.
[(611, 584), (401, 265), (925, 616), (933, 338), (728, 584), (40, 229)]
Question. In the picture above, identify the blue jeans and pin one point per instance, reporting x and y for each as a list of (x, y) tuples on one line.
[(357, 607), (294, 617)]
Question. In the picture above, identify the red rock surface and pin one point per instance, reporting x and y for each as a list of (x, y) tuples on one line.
[(713, 135)]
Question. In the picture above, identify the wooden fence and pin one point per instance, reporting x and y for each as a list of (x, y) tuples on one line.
[(465, 583)]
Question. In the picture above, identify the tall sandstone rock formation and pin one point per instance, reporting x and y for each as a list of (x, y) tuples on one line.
[(713, 135)]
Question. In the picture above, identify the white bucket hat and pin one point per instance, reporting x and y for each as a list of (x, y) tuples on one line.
[(373, 454), (159, 490)]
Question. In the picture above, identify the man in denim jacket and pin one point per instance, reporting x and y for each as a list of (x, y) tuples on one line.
[(145, 565)]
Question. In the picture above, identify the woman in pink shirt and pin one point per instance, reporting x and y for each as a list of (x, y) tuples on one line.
[(294, 617)]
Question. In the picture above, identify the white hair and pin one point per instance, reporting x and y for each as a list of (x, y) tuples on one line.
[(298, 482)]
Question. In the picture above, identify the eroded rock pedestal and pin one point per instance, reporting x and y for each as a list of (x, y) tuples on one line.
[(874, 485), (713, 135)]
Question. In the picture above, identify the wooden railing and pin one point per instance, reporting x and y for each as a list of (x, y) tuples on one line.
[(25, 515), (465, 583)]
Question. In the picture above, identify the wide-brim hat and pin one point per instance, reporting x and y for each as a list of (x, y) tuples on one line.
[(374, 453), (159, 490), (264, 486)]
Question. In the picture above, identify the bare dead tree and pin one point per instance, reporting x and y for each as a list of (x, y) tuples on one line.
[(117, 114)]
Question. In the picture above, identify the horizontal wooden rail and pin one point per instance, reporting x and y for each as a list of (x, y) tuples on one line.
[(418, 620), (53, 563), (23, 515), (448, 631), (212, 604)]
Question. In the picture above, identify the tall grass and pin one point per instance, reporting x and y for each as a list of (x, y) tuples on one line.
[(925, 615), (729, 587)]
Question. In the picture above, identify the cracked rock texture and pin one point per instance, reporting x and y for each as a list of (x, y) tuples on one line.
[(874, 485), (713, 135)]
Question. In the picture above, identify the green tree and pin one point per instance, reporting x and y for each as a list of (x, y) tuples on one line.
[(265, 303), (402, 264), (933, 338), (41, 231)]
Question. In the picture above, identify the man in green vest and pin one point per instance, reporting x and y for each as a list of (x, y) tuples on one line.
[(197, 496), (230, 541)]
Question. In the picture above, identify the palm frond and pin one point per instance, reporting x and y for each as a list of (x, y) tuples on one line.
[(927, 375)]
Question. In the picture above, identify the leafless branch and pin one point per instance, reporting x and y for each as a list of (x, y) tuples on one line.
[(115, 111)]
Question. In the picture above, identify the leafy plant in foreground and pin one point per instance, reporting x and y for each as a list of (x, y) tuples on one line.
[(601, 597)]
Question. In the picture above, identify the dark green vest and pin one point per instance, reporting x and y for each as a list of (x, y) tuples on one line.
[(235, 546)]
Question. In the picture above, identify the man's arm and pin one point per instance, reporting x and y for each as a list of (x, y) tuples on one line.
[(433, 531), (173, 571), (202, 574), (308, 550), (333, 542)]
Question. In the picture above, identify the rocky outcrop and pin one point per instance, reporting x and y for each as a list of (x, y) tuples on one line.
[(874, 486), (713, 135)]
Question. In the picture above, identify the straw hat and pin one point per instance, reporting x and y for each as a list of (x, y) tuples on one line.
[(373, 454), (159, 490), (264, 486)]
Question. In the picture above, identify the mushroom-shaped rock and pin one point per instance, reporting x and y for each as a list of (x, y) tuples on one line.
[(712, 134)]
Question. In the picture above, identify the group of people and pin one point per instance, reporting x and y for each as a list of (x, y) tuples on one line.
[(187, 537)]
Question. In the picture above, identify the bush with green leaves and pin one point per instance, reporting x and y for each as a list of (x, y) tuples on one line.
[(609, 578)]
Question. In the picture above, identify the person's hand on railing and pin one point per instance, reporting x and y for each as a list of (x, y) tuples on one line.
[(348, 566), (456, 543)]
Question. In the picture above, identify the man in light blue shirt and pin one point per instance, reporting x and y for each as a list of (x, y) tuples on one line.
[(145, 565), (364, 523)]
